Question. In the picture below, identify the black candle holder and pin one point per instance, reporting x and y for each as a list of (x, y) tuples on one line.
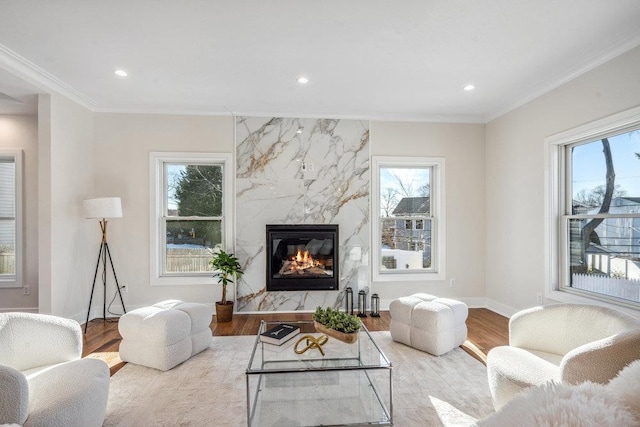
[(349, 300), (375, 306), (362, 304)]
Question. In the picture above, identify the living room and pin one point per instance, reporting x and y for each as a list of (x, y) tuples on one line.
[(82, 141)]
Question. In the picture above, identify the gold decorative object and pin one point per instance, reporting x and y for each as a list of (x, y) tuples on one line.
[(346, 338), (311, 342)]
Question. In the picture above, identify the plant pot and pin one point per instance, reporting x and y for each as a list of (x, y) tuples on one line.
[(341, 336), (224, 312)]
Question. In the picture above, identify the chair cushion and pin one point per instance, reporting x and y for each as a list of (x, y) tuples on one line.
[(511, 370), (69, 394)]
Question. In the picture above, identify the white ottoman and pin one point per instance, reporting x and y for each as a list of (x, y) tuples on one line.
[(165, 334), (428, 323)]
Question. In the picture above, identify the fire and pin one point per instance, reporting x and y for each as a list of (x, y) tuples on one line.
[(303, 260), (303, 257), (303, 263)]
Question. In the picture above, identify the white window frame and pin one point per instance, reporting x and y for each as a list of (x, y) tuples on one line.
[(157, 160), (556, 176), (15, 280), (437, 212)]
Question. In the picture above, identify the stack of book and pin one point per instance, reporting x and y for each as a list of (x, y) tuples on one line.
[(279, 334)]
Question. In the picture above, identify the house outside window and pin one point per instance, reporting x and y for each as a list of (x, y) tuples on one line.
[(10, 218), (409, 228), (190, 215), (597, 210)]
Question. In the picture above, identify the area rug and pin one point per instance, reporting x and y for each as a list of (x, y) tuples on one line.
[(210, 388)]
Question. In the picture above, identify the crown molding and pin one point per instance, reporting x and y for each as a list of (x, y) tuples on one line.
[(598, 60), (225, 111), (32, 74)]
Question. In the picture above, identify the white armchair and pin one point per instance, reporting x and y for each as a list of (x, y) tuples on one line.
[(43, 380), (565, 343)]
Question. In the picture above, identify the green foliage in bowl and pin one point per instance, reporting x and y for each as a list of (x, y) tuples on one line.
[(336, 319)]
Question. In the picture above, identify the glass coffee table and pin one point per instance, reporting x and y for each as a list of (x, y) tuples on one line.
[(350, 386)]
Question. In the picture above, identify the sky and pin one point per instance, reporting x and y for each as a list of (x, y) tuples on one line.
[(589, 167), (412, 179)]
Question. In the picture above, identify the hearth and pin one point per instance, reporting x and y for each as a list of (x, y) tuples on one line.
[(302, 257)]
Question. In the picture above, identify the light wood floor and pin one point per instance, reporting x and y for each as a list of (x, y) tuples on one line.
[(486, 330)]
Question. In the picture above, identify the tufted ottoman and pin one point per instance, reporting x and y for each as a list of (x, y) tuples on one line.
[(165, 334), (428, 323)]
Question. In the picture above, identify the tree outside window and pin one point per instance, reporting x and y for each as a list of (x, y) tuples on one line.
[(189, 214), (194, 216), (602, 221)]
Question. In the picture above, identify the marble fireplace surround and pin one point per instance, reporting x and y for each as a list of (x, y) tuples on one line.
[(301, 171)]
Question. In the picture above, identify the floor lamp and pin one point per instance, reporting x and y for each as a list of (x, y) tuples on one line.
[(103, 208)]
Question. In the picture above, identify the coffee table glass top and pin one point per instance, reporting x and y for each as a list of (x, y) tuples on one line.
[(363, 354), (351, 385)]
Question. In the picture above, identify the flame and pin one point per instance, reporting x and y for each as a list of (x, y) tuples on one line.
[(303, 257), (303, 260)]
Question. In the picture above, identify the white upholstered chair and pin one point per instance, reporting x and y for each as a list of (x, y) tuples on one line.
[(43, 380), (565, 343)]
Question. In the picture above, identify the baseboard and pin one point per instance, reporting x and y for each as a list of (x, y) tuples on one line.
[(21, 309), (500, 308)]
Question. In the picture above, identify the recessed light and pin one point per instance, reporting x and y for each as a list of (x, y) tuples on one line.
[(303, 80), (299, 130), (120, 73), (469, 88)]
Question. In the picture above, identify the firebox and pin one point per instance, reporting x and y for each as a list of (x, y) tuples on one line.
[(302, 257)]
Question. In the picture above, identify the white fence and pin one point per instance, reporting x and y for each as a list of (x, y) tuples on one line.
[(628, 289), (7, 263), (614, 266)]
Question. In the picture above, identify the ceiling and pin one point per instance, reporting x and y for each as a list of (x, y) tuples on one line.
[(377, 59)]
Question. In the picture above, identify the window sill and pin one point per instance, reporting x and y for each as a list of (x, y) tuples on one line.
[(182, 280), (399, 276), (575, 298)]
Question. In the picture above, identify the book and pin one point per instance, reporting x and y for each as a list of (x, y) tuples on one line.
[(279, 334)]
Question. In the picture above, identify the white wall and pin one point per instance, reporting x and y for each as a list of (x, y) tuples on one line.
[(515, 175), (462, 146), (123, 143), (21, 132), (121, 168), (67, 250)]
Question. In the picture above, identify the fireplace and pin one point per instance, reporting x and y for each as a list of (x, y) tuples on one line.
[(302, 257)]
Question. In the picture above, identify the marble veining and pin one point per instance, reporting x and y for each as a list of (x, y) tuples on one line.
[(301, 171)]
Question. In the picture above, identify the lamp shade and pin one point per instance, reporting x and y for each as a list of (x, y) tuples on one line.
[(102, 207)]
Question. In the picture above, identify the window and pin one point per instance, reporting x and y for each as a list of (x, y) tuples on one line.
[(190, 215), (408, 227), (597, 209), (10, 218)]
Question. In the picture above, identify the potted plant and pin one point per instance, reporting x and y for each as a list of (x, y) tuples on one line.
[(227, 267), (337, 324)]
